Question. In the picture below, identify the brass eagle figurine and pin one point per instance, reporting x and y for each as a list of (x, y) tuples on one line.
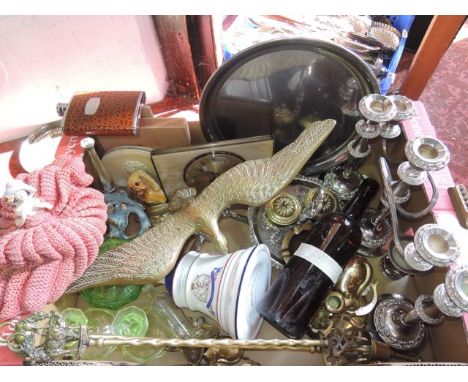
[(151, 256)]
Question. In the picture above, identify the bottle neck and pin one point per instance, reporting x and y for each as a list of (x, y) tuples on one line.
[(361, 199)]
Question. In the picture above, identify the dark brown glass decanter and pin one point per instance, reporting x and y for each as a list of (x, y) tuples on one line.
[(318, 261)]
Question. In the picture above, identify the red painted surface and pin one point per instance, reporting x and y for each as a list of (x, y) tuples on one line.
[(7, 357), (172, 105)]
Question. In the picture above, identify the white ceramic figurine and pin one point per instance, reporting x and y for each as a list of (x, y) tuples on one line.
[(21, 196)]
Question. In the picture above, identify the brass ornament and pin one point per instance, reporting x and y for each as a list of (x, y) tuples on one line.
[(348, 292), (179, 200), (151, 256), (346, 306), (283, 209), (328, 201), (223, 356)]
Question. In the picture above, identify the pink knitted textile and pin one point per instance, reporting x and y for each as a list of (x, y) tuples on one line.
[(54, 247)]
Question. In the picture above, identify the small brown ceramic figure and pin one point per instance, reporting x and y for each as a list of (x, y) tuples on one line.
[(146, 188)]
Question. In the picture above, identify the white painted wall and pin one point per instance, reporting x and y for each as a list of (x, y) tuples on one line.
[(45, 59)]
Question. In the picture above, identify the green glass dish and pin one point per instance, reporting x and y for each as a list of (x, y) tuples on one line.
[(99, 322), (74, 317), (145, 353), (130, 322), (111, 297)]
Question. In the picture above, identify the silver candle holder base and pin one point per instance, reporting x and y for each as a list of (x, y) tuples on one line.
[(402, 325), (387, 319)]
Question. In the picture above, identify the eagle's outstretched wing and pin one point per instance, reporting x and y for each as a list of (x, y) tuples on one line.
[(255, 182), (144, 260)]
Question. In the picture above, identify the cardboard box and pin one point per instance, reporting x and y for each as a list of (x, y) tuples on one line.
[(445, 343)]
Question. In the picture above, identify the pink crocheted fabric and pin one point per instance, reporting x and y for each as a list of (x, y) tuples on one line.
[(54, 247)]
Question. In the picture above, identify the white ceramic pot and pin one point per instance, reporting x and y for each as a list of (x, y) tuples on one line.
[(226, 287)]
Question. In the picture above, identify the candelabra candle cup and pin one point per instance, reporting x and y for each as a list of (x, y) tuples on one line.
[(377, 108), (452, 296), (433, 246), (424, 154), (225, 288), (404, 107), (404, 110)]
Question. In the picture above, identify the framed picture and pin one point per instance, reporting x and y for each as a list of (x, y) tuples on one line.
[(197, 166)]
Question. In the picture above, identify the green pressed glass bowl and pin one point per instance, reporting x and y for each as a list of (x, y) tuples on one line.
[(99, 322), (111, 297), (74, 317), (130, 322), (145, 353)]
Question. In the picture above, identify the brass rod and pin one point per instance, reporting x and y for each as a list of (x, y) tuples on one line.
[(311, 346)]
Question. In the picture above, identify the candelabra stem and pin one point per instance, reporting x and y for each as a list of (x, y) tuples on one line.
[(400, 189), (413, 316), (351, 166)]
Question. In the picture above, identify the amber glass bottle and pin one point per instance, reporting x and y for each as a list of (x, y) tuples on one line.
[(299, 289)]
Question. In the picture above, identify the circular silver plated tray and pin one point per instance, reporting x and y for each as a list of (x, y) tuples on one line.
[(263, 231), (277, 87)]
